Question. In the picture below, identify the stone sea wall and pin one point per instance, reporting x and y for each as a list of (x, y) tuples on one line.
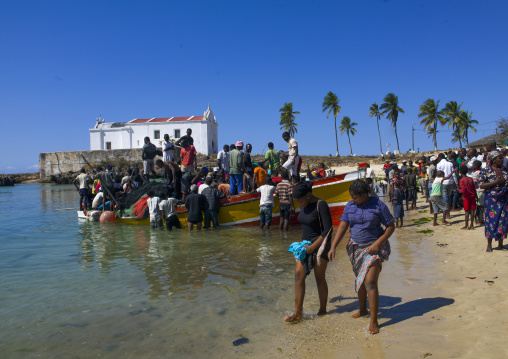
[(58, 163)]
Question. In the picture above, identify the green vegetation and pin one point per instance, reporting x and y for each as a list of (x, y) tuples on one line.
[(430, 116), (428, 231), (331, 103), (391, 109), (423, 220), (287, 119), (374, 112), (348, 127)]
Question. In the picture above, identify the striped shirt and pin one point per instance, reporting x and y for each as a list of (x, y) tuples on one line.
[(283, 191)]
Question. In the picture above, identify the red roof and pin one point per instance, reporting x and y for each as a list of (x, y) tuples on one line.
[(140, 120)]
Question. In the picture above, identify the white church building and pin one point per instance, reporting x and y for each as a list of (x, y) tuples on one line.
[(122, 135)]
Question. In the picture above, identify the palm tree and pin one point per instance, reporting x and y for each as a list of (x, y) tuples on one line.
[(431, 132), (452, 113), (391, 108), (287, 119), (430, 116), (457, 136), (466, 122), (348, 127), (331, 103), (374, 112)]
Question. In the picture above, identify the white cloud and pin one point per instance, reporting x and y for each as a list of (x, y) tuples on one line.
[(33, 167), (10, 168)]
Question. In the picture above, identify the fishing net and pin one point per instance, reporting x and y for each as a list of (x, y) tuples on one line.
[(161, 189)]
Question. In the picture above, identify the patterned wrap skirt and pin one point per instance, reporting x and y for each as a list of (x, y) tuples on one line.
[(361, 260), (496, 213)]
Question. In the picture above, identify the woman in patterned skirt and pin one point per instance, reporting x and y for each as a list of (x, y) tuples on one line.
[(493, 180), (368, 247)]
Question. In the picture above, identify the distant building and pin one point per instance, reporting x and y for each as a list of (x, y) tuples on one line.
[(123, 135), (483, 141)]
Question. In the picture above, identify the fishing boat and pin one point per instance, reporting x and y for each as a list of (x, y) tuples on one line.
[(243, 210)]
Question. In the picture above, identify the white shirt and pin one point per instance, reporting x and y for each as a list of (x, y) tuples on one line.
[(153, 207), (291, 146), (202, 187), (83, 180), (167, 207), (266, 194), (223, 156), (447, 168), (167, 155)]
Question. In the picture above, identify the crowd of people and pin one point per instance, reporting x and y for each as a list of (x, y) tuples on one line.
[(201, 189), (469, 180)]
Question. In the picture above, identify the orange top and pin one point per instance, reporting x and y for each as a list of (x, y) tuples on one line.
[(260, 175)]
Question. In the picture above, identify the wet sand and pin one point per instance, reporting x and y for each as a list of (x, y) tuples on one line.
[(428, 308)]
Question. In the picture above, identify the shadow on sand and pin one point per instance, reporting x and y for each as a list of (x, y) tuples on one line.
[(389, 307)]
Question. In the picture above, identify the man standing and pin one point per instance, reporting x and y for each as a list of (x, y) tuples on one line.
[(273, 158), (223, 159), (187, 138), (403, 168), (447, 184), (247, 160), (292, 161), (370, 173), (167, 149), (149, 153), (236, 169), (188, 156), (81, 183)]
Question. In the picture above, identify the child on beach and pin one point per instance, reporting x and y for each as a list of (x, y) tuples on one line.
[(410, 181), (475, 174), (284, 193), (468, 191), (436, 197), (397, 203), (153, 207), (195, 204), (266, 203)]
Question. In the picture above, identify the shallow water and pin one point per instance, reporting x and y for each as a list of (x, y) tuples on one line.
[(69, 287)]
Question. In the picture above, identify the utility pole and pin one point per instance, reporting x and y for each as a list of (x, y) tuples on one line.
[(413, 136)]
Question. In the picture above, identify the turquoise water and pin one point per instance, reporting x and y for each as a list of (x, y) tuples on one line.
[(70, 288)]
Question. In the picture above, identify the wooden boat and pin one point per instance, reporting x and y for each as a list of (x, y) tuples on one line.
[(243, 210)]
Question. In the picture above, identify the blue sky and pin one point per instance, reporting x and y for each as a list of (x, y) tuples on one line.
[(65, 62)]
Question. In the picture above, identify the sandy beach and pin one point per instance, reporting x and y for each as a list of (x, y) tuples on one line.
[(435, 299)]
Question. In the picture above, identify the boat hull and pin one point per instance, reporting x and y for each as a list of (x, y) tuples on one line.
[(244, 210)]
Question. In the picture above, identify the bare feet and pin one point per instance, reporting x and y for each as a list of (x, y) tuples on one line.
[(374, 327), (471, 227), (489, 249), (359, 314), (464, 227), (296, 317), (435, 224), (321, 313), (445, 222)]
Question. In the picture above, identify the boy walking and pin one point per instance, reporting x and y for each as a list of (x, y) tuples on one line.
[(468, 190), (398, 206), (284, 192), (436, 197), (266, 203), (410, 182)]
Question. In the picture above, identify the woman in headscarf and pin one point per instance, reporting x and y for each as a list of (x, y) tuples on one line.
[(317, 228), (493, 180), (368, 247)]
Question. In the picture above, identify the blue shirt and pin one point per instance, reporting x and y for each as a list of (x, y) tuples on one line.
[(365, 220), (398, 196)]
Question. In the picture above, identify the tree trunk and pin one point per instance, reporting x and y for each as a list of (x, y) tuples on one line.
[(460, 142), (336, 138), (397, 137), (435, 136), (380, 146), (351, 148)]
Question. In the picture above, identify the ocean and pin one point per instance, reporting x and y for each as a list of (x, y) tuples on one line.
[(71, 288)]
